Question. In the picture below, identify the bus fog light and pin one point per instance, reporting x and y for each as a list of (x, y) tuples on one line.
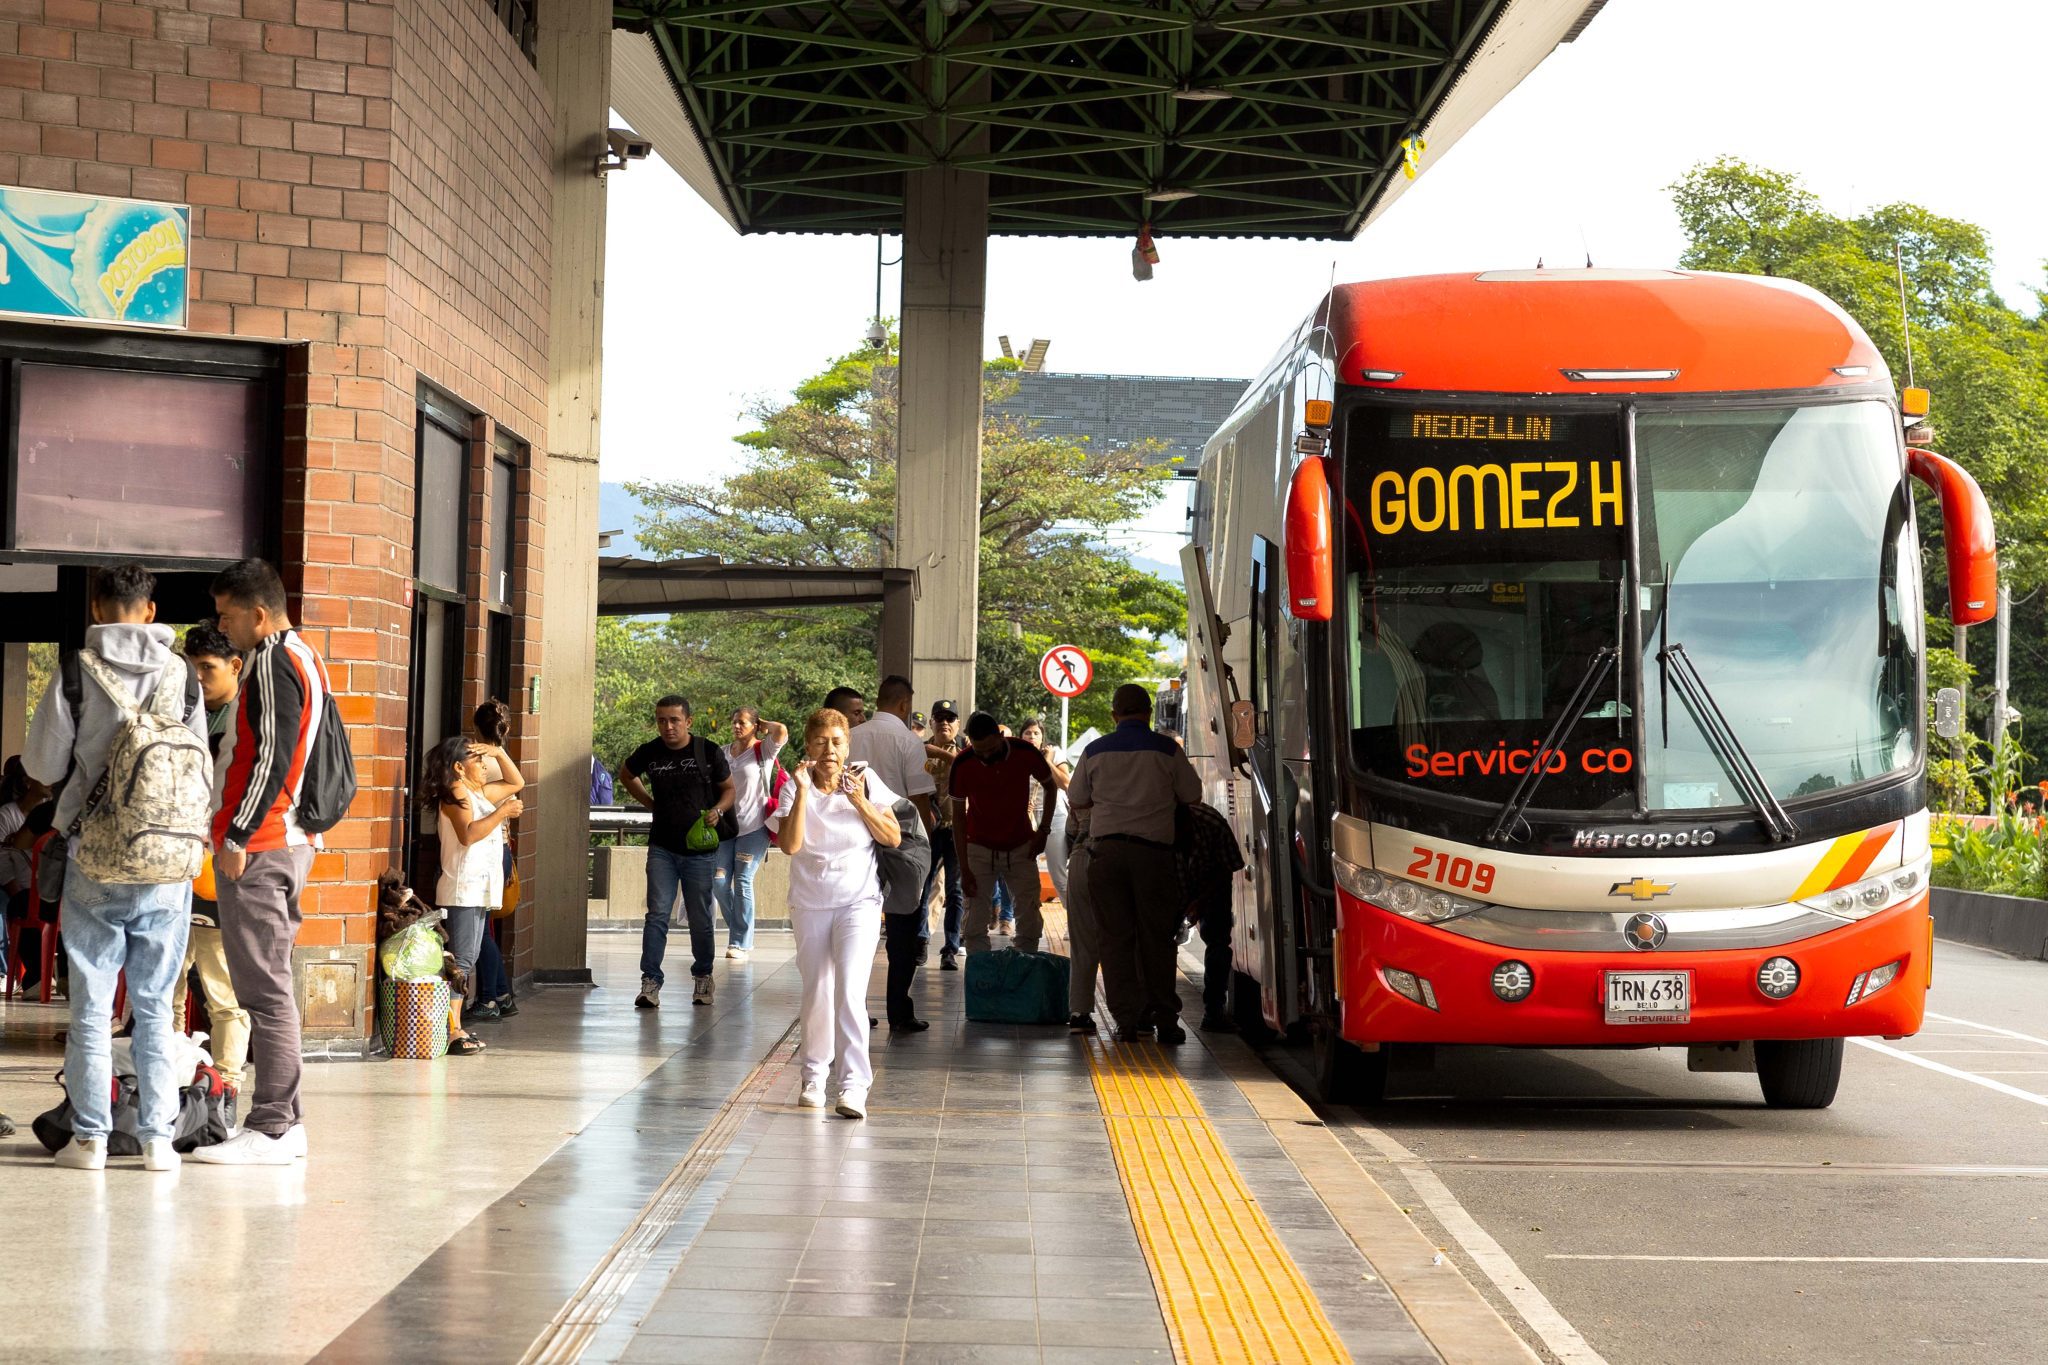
[(1876, 979), (1409, 986), (1512, 981), (1778, 977)]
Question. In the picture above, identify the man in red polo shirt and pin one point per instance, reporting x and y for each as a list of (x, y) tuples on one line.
[(991, 795)]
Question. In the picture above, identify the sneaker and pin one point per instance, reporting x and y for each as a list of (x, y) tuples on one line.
[(701, 994), (1218, 1023), (1171, 1033), (87, 1155), (483, 1013), (812, 1096), (1081, 1023), (735, 954), (650, 994), (924, 951), (159, 1155), (949, 961), (507, 1007), (294, 1140), (1141, 1034), (908, 1026), (853, 1104), (1008, 927), (251, 1148)]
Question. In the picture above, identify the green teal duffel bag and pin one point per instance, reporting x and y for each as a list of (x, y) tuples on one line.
[(1009, 987)]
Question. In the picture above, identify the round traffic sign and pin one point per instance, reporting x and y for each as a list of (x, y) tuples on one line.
[(1066, 670)]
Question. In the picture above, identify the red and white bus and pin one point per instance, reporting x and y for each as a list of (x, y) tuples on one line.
[(1556, 649)]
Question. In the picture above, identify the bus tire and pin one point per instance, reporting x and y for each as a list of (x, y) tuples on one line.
[(1800, 1075), (1346, 1073)]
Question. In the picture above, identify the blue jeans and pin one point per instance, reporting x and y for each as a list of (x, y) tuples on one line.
[(109, 929), (1005, 903), (738, 860), (946, 856), (666, 872)]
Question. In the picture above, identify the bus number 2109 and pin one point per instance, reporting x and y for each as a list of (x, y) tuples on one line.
[(1445, 870)]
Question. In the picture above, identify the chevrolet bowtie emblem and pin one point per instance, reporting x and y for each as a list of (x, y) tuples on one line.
[(1641, 889)]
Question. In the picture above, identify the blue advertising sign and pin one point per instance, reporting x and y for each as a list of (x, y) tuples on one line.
[(84, 258)]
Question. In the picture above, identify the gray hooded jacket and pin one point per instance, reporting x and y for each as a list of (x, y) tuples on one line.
[(138, 655)]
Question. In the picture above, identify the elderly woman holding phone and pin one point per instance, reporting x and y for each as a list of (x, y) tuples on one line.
[(836, 814)]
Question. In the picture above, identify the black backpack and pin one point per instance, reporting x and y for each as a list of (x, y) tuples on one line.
[(330, 781)]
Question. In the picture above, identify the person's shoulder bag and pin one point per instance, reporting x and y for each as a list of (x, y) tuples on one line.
[(903, 869)]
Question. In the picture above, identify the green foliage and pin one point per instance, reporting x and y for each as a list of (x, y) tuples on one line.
[(1952, 764), (2004, 854), (818, 488), (1985, 361)]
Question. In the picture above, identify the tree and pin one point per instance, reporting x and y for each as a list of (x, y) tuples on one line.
[(1985, 361), (820, 490)]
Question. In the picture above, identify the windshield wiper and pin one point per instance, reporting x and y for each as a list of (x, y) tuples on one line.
[(1560, 730), (1727, 746)]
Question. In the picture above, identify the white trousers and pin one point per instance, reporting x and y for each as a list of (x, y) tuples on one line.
[(835, 952)]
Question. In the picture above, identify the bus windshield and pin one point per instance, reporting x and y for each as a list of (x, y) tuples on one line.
[(1777, 549), (1489, 563)]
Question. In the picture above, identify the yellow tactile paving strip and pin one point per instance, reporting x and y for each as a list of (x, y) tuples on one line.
[(1230, 1292)]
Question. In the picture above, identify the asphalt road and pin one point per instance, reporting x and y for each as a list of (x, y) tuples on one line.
[(1665, 1216)]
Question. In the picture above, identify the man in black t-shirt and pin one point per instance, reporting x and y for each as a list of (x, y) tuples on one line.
[(691, 780)]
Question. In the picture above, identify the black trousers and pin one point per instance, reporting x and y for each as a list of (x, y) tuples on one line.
[(1135, 889), (1217, 921), (902, 935)]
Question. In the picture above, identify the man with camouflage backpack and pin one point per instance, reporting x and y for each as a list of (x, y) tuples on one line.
[(126, 721)]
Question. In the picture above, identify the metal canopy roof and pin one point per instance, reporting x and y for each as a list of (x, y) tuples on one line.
[(628, 586), (1280, 118)]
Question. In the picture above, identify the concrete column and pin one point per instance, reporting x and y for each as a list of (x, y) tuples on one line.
[(938, 486), (574, 58)]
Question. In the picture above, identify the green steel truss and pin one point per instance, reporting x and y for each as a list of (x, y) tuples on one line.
[(1277, 118)]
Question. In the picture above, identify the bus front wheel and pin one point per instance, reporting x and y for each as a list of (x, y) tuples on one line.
[(1346, 1073), (1800, 1075)]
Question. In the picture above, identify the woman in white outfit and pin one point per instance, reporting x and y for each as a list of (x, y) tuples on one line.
[(836, 816)]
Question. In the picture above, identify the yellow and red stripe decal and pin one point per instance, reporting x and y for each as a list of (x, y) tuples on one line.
[(1846, 860)]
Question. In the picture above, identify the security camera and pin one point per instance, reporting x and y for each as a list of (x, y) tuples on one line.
[(621, 146)]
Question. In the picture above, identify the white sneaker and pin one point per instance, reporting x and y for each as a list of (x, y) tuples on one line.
[(812, 1096), (735, 954), (91, 1154), (853, 1104), (159, 1155), (251, 1148), (650, 994), (702, 994), (294, 1140)]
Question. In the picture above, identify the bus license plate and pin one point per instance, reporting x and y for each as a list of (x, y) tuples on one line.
[(1649, 997)]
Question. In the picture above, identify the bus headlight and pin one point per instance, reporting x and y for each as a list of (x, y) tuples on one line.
[(1410, 900), (1860, 900)]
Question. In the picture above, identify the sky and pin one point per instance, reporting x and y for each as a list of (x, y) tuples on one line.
[(1871, 103)]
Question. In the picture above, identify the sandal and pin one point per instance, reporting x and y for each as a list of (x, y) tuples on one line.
[(464, 1045)]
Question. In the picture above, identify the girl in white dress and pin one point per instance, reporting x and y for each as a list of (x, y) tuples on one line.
[(835, 817)]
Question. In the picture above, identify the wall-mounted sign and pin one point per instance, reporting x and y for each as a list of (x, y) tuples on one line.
[(85, 258)]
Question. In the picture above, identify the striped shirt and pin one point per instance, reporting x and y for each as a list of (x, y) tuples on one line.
[(262, 762)]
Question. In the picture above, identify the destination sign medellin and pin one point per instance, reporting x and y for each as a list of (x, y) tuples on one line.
[(1448, 472)]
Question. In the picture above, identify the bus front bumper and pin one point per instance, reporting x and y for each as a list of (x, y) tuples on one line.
[(1567, 1004)]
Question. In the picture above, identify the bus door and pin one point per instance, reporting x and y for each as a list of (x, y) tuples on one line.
[(1266, 937)]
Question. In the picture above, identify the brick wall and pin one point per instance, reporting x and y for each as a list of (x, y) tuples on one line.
[(369, 182)]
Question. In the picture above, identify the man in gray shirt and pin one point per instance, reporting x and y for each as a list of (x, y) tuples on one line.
[(1127, 789)]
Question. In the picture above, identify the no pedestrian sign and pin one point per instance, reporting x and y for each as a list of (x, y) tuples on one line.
[(1066, 671)]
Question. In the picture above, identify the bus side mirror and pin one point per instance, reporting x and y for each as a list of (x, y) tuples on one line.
[(1970, 541), (1948, 713), (1311, 565), (1244, 725)]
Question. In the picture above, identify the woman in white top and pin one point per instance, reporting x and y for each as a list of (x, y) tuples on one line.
[(755, 776), (835, 818), (473, 816)]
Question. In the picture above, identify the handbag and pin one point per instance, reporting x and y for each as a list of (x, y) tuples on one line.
[(903, 869), (508, 904)]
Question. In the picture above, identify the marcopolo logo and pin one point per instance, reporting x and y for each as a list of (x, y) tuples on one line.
[(1642, 838)]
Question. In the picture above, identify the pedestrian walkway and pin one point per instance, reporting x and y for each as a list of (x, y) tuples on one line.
[(606, 1184)]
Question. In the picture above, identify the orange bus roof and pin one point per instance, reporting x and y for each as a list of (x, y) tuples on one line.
[(1518, 331)]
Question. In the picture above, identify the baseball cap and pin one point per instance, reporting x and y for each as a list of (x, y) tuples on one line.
[(917, 718), (945, 709)]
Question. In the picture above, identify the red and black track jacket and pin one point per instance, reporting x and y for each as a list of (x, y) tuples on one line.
[(262, 760)]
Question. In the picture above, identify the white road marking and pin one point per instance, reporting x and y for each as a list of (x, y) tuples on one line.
[(1824, 1260), (2000, 1086), (1968, 1052), (1988, 1028), (1558, 1335)]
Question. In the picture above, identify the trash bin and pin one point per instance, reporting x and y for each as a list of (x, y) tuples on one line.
[(413, 1016)]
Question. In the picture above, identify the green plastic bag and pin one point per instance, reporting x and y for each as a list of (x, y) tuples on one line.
[(412, 954), (701, 838)]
